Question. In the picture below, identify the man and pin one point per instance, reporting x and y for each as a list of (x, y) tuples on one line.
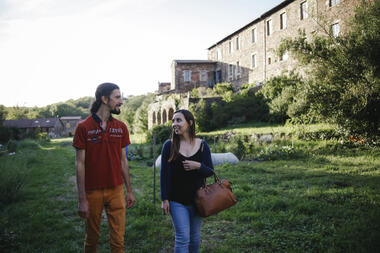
[(102, 166)]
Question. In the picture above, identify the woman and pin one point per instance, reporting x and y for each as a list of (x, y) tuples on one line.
[(185, 163)]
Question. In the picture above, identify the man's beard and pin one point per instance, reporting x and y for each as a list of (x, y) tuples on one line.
[(115, 111)]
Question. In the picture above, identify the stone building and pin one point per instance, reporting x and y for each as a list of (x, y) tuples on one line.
[(53, 126), (249, 55), (190, 74), (70, 123)]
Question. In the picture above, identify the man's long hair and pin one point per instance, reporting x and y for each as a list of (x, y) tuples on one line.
[(104, 89), (174, 149)]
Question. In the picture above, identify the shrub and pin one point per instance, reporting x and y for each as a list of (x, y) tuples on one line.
[(12, 146), (5, 134), (163, 133), (239, 149)]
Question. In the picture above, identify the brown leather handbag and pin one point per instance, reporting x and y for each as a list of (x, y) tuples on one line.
[(213, 198)]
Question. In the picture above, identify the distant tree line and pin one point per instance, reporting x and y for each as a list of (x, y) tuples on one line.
[(78, 107)]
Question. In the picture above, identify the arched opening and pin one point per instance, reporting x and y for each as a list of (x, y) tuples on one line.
[(171, 112), (154, 118), (158, 118), (164, 119)]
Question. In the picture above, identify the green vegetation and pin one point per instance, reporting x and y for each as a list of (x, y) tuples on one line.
[(303, 196), (78, 107), (343, 85), (234, 108), (134, 112)]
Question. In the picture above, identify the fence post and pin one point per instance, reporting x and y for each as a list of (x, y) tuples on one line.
[(154, 168)]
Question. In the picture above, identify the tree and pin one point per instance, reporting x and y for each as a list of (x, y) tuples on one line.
[(344, 72), (16, 112), (3, 114)]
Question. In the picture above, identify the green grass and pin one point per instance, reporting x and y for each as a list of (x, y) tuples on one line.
[(325, 200), (266, 128)]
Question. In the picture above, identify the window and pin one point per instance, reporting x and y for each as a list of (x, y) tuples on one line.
[(218, 54), (230, 46), (335, 29), (237, 69), (254, 35), (237, 43), (253, 61), (230, 71), (282, 20), (284, 56), (186, 75), (269, 61), (204, 76), (269, 27), (333, 2), (303, 10)]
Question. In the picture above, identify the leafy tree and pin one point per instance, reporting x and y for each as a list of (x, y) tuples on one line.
[(64, 109), (3, 114), (344, 85), (130, 107), (141, 116), (203, 116), (16, 112)]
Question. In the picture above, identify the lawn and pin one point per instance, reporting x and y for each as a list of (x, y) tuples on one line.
[(325, 199)]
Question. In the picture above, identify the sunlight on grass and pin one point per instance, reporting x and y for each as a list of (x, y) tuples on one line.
[(266, 128)]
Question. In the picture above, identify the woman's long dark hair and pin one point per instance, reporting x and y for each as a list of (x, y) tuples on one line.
[(104, 89), (174, 149)]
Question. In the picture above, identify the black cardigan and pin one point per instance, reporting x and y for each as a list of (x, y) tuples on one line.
[(206, 169)]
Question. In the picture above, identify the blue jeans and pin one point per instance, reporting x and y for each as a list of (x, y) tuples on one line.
[(187, 228)]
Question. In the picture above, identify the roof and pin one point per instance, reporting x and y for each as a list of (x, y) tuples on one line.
[(71, 118), (193, 61), (263, 16), (31, 123)]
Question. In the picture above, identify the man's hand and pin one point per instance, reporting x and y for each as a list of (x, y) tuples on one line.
[(165, 206), (130, 199), (83, 209)]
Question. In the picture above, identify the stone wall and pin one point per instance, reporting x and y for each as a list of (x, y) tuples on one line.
[(161, 111)]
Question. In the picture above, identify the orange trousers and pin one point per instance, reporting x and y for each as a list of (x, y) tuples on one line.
[(113, 201)]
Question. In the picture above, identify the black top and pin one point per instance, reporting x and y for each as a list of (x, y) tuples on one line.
[(184, 182)]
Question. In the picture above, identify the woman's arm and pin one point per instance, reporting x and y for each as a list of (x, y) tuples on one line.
[(164, 174), (207, 168)]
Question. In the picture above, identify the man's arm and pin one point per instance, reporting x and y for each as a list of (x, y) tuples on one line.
[(80, 167), (130, 199)]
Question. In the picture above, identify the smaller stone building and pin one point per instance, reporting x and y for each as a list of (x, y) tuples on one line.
[(70, 124), (190, 74), (53, 126)]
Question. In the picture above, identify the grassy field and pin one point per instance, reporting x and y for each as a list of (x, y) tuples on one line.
[(325, 199), (266, 128)]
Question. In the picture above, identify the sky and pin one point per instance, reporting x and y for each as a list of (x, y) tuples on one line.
[(55, 50)]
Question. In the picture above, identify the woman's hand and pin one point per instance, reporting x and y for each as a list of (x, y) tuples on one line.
[(165, 206), (191, 165)]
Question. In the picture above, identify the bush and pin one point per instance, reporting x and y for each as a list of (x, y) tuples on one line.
[(163, 133), (12, 146), (239, 149), (5, 134)]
